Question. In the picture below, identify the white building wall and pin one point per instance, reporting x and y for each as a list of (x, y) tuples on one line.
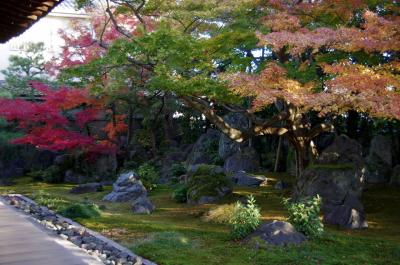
[(45, 30)]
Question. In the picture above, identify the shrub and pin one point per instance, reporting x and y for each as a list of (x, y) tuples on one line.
[(179, 193), (148, 175), (222, 214), (207, 185), (36, 175), (304, 215), (81, 210), (177, 170), (246, 218), (52, 174)]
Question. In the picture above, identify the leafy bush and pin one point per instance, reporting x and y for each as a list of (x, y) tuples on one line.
[(246, 218), (222, 214), (207, 185), (81, 210), (304, 215), (178, 169), (148, 175), (179, 193), (52, 174)]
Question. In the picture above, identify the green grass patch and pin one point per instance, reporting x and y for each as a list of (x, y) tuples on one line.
[(176, 233)]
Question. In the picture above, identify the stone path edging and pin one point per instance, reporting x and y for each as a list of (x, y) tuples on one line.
[(108, 251)]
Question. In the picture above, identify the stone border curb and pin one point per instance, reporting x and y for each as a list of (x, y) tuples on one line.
[(105, 249)]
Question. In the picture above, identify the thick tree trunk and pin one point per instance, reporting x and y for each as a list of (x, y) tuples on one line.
[(352, 124)]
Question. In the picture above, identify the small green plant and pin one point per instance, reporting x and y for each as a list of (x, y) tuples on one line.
[(304, 215), (148, 175), (179, 193), (245, 219), (81, 210)]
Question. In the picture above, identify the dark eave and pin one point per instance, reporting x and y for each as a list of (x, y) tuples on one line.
[(16, 16)]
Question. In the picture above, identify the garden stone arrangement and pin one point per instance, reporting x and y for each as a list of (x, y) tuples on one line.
[(106, 250), (128, 188)]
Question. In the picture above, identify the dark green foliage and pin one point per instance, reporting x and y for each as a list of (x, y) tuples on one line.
[(179, 193), (178, 169), (81, 210), (206, 182), (304, 216), (53, 174), (148, 175)]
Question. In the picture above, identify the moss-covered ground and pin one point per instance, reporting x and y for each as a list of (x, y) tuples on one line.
[(176, 234)]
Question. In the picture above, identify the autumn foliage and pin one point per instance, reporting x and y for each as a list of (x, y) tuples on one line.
[(61, 121)]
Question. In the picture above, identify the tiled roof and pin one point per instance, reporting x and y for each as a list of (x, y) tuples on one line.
[(16, 16)]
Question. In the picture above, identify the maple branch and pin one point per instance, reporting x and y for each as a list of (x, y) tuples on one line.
[(319, 128), (115, 23)]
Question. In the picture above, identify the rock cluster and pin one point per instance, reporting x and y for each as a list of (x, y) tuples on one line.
[(106, 250), (128, 188), (379, 161), (338, 178)]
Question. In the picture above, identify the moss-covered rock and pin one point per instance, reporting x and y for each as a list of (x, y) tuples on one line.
[(207, 185)]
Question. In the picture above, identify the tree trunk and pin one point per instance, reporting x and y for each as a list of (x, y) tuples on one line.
[(352, 124), (278, 154)]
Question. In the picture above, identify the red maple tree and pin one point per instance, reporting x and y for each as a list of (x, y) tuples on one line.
[(60, 121)]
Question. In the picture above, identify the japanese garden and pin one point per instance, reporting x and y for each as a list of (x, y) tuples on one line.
[(208, 132)]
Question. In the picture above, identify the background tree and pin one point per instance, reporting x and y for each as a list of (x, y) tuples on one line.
[(23, 68)]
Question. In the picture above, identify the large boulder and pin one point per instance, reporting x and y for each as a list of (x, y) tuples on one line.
[(247, 159), (242, 178), (343, 150), (174, 156), (105, 166), (379, 160), (86, 188), (227, 147), (338, 178), (128, 188), (142, 205), (395, 178), (205, 150), (278, 233), (207, 184)]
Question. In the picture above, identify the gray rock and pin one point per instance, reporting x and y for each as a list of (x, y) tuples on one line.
[(343, 150), (242, 178), (281, 185), (127, 188), (381, 146), (247, 159), (350, 214), (395, 178), (74, 178), (105, 166), (205, 150), (142, 205), (379, 161), (278, 233), (212, 169), (86, 188), (338, 177), (227, 147)]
